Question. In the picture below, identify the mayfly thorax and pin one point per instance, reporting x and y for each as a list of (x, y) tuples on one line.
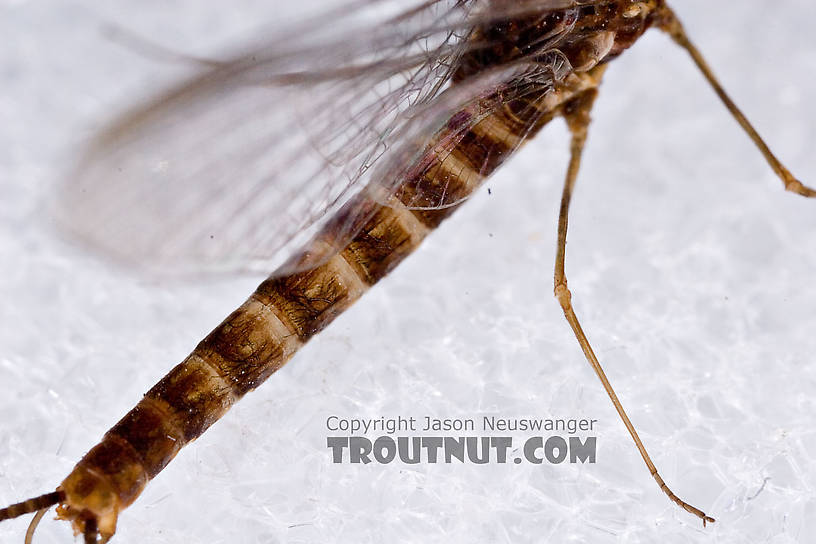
[(373, 172)]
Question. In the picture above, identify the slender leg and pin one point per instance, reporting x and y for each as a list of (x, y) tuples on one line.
[(669, 23), (577, 116)]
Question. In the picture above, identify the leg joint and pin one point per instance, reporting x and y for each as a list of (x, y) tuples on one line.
[(562, 293)]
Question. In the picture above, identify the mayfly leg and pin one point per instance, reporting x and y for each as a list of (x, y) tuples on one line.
[(577, 115), (669, 23)]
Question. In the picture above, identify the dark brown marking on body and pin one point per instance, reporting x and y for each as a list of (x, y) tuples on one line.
[(479, 152), (121, 467), (524, 117), (244, 349), (432, 218), (380, 246), (308, 300), (152, 434), (192, 391), (507, 40)]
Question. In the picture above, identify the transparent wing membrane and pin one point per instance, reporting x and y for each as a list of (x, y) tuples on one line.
[(237, 167)]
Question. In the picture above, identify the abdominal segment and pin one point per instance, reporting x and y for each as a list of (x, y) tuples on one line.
[(287, 310)]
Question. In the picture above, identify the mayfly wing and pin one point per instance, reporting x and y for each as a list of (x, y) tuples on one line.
[(454, 116), (424, 170), (250, 157), (231, 165)]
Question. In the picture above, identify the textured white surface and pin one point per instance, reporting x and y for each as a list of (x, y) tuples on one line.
[(691, 268)]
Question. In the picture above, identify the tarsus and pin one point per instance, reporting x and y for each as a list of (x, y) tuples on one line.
[(671, 24)]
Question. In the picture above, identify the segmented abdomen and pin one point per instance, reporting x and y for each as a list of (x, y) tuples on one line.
[(284, 313)]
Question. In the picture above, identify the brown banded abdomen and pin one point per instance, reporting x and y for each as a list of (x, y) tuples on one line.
[(284, 313)]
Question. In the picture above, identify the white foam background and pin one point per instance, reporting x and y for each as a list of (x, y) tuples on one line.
[(691, 269)]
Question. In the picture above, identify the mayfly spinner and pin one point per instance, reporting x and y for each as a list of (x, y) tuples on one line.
[(403, 118)]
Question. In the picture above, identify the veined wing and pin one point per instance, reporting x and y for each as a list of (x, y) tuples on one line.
[(250, 157)]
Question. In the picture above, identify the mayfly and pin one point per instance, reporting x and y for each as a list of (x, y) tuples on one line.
[(352, 146)]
